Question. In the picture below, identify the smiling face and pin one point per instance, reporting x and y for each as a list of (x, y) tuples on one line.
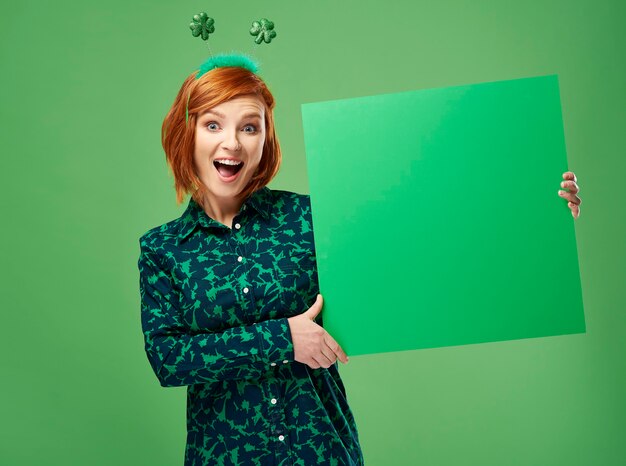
[(229, 145)]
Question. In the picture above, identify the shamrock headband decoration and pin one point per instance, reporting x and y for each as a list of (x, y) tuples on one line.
[(202, 25), (263, 30)]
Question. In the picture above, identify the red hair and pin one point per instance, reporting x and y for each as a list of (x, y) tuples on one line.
[(178, 136)]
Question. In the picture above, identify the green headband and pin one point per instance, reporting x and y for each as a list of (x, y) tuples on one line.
[(222, 60)]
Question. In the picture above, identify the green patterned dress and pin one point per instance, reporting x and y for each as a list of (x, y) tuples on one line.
[(214, 309)]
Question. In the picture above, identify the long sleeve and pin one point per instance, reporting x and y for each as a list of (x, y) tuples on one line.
[(179, 358)]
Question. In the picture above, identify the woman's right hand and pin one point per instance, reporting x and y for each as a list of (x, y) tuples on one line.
[(312, 345)]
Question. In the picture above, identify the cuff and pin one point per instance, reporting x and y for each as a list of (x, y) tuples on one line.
[(275, 340)]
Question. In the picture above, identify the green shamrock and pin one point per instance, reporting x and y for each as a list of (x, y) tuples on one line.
[(264, 30), (202, 24)]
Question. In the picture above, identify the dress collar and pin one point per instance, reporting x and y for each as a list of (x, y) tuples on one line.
[(195, 215)]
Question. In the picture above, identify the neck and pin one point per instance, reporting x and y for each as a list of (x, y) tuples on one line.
[(222, 210)]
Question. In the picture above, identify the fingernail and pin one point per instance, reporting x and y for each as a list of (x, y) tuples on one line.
[(560, 193)]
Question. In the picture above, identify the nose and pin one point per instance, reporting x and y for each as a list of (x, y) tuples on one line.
[(231, 141)]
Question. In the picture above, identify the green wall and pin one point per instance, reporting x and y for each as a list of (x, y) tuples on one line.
[(84, 89)]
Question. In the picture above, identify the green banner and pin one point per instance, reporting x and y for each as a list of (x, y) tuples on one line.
[(436, 216)]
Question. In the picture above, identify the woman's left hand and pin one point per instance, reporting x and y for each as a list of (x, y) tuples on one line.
[(574, 200)]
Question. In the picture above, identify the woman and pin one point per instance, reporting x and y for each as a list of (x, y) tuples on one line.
[(224, 288), (229, 290)]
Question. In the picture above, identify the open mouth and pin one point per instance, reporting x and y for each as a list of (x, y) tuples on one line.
[(228, 168)]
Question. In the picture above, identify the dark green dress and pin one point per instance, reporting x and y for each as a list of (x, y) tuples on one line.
[(214, 309)]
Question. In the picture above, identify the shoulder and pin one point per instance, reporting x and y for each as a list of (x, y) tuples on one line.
[(161, 236), (293, 211), (290, 199)]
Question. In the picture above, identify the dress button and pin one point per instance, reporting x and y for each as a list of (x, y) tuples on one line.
[(273, 364), (245, 290), (281, 438), (273, 401), (285, 361), (237, 226), (240, 258)]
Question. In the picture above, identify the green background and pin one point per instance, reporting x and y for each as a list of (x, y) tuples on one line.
[(85, 86)]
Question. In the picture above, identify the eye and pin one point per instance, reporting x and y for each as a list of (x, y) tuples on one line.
[(249, 129), (212, 126)]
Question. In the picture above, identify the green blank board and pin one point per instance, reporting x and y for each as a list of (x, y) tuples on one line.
[(436, 216)]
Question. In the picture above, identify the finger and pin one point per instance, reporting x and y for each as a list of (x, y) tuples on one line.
[(328, 355), (335, 348), (315, 309), (575, 209), (313, 364), (572, 186), (323, 361), (569, 176), (570, 197)]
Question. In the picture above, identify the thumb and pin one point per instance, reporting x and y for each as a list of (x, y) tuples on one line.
[(314, 310)]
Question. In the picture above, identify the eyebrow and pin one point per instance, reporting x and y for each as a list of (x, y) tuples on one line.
[(221, 115)]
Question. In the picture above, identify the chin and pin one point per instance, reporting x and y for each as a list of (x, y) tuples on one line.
[(220, 189)]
